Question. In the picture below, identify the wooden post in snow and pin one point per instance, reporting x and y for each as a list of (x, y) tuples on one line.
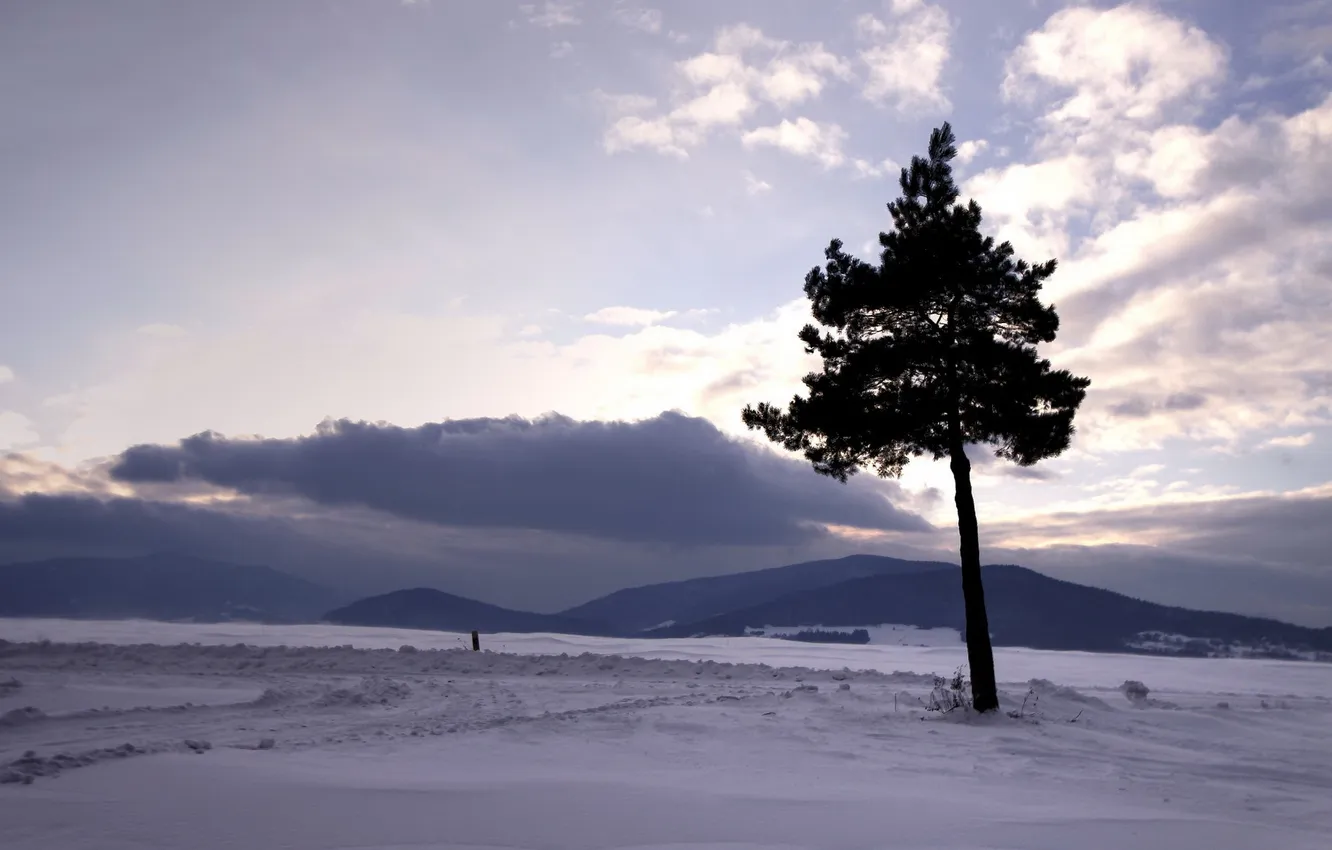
[(476, 641)]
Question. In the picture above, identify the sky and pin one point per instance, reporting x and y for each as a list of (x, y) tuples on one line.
[(471, 294)]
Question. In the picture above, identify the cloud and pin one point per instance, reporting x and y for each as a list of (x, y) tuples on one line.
[(1191, 254), (645, 20), (755, 186), (804, 138), (1299, 30), (905, 56), (723, 87), (334, 547), (970, 149), (16, 430), (387, 366), (658, 134), (1184, 401), (672, 479), (6, 374), (1033, 203), (1259, 553), (83, 520), (561, 49), (865, 168), (1314, 69), (800, 74), (1293, 441), (628, 316), (1137, 406), (1128, 63), (1214, 288), (551, 14), (366, 552)]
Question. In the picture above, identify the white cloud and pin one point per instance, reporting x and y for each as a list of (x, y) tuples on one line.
[(1130, 62), (647, 20), (6, 374), (755, 186), (865, 168), (739, 38), (1191, 256), (634, 368), (708, 69), (551, 14), (657, 134), (800, 74), (712, 375), (530, 330), (16, 430), (560, 49), (970, 149), (725, 103), (723, 87), (1297, 441), (905, 56), (1216, 298), (1031, 204), (802, 137), (629, 316)]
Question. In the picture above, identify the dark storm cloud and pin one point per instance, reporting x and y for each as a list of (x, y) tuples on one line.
[(1265, 554), (1279, 529), (1184, 401), (1134, 408), (362, 552), (78, 521), (1262, 555), (1212, 581), (672, 479), (1138, 407)]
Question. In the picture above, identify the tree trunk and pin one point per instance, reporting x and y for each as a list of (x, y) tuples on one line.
[(984, 692)]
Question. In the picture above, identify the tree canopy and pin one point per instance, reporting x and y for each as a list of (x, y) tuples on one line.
[(932, 347)]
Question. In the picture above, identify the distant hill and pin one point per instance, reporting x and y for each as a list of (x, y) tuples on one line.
[(158, 587), (1025, 608), (425, 608), (638, 609)]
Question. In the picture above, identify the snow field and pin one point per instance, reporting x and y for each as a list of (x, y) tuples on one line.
[(220, 746)]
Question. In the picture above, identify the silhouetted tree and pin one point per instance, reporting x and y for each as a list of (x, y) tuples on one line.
[(929, 350)]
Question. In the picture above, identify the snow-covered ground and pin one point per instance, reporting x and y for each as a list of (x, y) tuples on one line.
[(331, 737)]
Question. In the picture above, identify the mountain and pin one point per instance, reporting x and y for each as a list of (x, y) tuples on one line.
[(1025, 608), (426, 608), (638, 609), (158, 587)]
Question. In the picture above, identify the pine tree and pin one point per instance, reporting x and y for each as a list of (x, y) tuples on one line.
[(930, 350)]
